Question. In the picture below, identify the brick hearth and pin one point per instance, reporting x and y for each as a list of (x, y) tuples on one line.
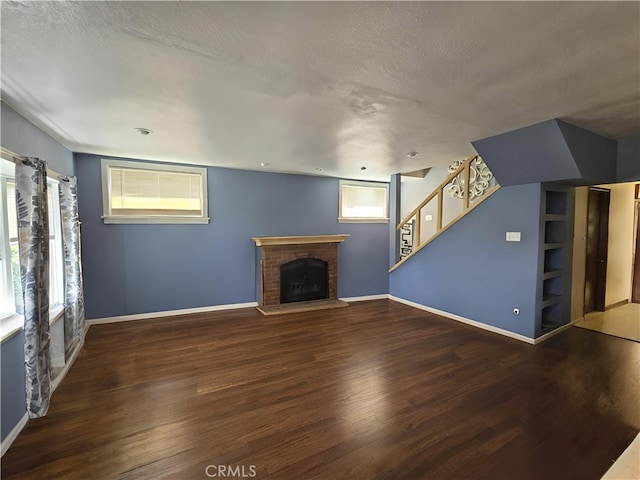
[(276, 251)]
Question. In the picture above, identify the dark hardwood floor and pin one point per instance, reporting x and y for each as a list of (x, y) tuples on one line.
[(378, 390)]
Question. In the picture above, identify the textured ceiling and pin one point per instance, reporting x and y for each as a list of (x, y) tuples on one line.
[(305, 85)]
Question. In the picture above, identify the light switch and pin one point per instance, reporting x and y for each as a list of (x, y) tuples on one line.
[(428, 218), (513, 236)]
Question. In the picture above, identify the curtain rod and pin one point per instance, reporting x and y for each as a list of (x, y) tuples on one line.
[(11, 156)]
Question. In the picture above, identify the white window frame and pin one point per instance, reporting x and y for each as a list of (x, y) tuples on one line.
[(157, 167), (357, 183), (12, 322), (5, 254), (56, 254)]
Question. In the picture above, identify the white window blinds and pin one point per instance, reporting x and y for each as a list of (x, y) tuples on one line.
[(150, 191), (363, 201)]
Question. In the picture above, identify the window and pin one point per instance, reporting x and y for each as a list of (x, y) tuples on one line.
[(10, 284), (56, 262), (139, 192), (364, 202)]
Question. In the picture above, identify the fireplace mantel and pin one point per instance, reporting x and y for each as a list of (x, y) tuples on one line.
[(299, 239), (274, 252)]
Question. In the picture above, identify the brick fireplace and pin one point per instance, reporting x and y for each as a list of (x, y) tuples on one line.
[(274, 252)]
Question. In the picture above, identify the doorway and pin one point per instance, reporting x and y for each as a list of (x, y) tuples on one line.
[(596, 249)]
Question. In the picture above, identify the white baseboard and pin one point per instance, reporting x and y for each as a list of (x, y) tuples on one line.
[(57, 362), (13, 434), (214, 308), (381, 296), (556, 331), (68, 365), (468, 321), (169, 313)]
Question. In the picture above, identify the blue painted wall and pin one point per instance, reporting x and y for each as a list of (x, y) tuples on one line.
[(12, 383), (628, 168), (131, 269), (594, 154), (537, 153), (471, 271), (551, 151), (22, 137)]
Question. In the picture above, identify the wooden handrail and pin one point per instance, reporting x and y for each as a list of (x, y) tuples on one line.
[(447, 180), (416, 249), (465, 195), (440, 210)]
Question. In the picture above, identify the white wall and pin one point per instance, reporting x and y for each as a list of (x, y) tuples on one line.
[(620, 250), (414, 191)]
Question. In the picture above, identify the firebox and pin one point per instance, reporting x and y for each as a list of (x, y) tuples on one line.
[(304, 279), (275, 294)]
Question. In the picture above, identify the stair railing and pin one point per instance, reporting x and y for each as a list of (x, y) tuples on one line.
[(462, 189)]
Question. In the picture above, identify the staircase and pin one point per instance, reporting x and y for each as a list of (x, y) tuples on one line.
[(469, 183)]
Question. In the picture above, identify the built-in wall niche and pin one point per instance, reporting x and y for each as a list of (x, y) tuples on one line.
[(552, 317), (553, 260), (554, 267), (553, 285), (554, 231), (552, 289), (556, 203)]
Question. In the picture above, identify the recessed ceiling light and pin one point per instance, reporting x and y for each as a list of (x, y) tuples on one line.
[(143, 131), (412, 154), (264, 164)]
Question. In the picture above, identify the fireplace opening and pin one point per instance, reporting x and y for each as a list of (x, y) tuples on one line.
[(304, 279)]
